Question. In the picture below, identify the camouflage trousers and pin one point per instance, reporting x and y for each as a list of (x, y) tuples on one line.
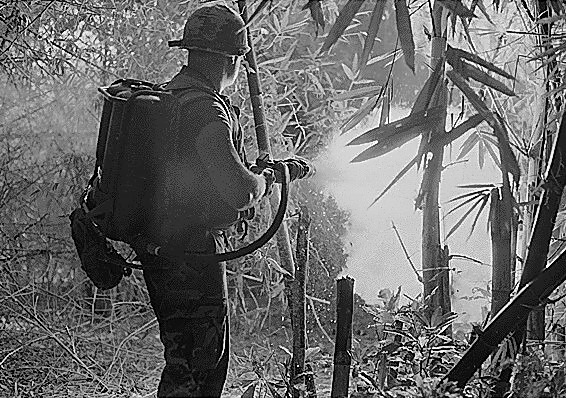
[(190, 302)]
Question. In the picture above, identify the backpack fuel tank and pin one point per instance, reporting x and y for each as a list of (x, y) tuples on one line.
[(137, 123)]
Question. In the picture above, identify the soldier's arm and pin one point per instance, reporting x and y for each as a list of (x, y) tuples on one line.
[(238, 186)]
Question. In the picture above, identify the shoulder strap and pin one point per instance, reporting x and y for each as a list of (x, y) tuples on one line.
[(188, 95)]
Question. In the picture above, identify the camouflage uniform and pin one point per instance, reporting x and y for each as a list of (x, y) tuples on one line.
[(190, 297), (193, 324)]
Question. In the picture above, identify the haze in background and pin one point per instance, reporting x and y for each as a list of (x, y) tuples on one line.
[(376, 259)]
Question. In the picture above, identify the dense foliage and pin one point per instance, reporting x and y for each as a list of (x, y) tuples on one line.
[(55, 54)]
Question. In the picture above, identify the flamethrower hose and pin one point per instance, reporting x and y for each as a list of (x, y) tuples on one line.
[(231, 255)]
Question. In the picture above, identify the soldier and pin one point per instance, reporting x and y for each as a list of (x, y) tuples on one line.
[(190, 297)]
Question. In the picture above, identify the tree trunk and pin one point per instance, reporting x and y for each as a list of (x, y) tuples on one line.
[(343, 344), (435, 268)]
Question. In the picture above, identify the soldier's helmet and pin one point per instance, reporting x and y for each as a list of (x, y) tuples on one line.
[(216, 28)]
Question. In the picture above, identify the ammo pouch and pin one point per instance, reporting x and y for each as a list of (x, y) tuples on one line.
[(102, 263)]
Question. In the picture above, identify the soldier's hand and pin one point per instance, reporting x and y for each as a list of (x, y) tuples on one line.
[(270, 178)]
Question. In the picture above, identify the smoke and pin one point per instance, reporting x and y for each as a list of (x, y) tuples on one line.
[(376, 258)]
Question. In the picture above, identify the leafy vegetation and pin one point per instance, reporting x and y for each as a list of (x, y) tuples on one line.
[(325, 67)]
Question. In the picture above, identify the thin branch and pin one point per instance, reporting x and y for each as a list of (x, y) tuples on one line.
[(420, 279), (318, 320), (26, 27)]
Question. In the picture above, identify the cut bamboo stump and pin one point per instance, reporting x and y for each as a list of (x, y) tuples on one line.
[(343, 344), (296, 297)]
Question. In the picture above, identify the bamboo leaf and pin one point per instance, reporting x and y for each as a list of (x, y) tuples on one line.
[(508, 159), (400, 175), (277, 24), (455, 54), (470, 71), (468, 145), (462, 219), (361, 113), (423, 101), (481, 6), (389, 54), (550, 20), (250, 391), (453, 21), (470, 199), (361, 92), (373, 28), (405, 32), (285, 64), (466, 25), (344, 19), (386, 145), (458, 131), (474, 99), (486, 136), (317, 16), (272, 390), (271, 61), (548, 61), (256, 13), (474, 186), (424, 120), (492, 154), (467, 194), (550, 93), (351, 75), (456, 7), (549, 52), (474, 260), (285, 119), (484, 203)]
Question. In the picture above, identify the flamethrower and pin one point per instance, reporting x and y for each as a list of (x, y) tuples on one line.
[(286, 170), (299, 168)]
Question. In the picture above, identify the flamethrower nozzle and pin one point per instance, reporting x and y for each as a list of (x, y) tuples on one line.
[(299, 168)]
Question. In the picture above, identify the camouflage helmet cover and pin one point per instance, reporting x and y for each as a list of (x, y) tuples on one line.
[(216, 28)]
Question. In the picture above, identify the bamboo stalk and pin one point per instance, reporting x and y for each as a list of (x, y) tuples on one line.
[(296, 297), (535, 285), (501, 217), (435, 268), (263, 144), (343, 344)]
